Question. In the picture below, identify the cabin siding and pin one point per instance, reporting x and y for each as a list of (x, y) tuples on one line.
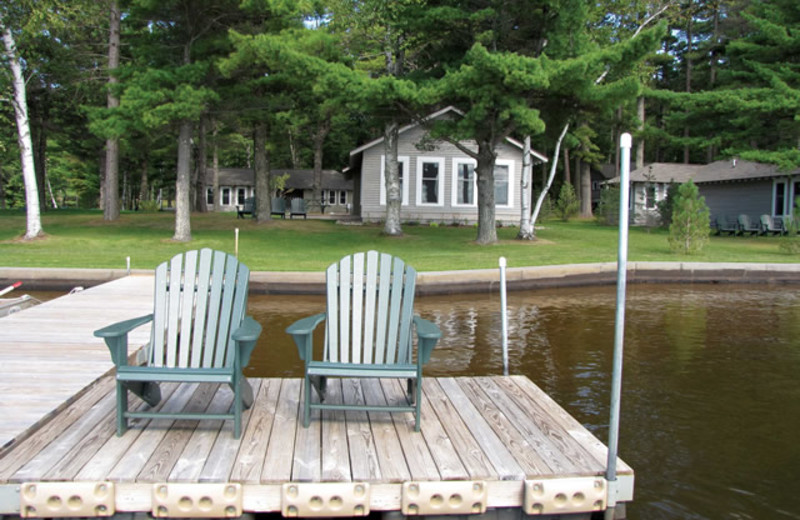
[(444, 211), (749, 198)]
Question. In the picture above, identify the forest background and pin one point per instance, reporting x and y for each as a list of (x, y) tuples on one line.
[(126, 99)]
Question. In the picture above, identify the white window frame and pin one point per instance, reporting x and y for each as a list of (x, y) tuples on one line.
[(439, 161), (511, 165), (210, 195), (454, 183), (225, 196), (405, 161), (779, 212), (342, 197)]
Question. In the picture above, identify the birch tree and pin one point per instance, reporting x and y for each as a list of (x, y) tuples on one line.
[(14, 63)]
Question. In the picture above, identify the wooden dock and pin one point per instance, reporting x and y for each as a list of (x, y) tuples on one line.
[(487, 444)]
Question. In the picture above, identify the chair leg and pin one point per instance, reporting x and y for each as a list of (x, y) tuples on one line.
[(238, 404), (418, 405), (306, 401), (122, 407)]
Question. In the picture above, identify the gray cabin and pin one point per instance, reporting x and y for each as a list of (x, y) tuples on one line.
[(438, 180)]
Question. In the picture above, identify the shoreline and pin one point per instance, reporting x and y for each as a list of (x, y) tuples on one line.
[(450, 282)]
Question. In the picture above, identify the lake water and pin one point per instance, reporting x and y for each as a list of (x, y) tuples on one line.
[(711, 384)]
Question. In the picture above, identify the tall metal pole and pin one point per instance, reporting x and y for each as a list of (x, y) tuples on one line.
[(619, 324), (504, 313)]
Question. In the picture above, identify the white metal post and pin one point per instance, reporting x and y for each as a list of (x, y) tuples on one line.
[(504, 313), (619, 324)]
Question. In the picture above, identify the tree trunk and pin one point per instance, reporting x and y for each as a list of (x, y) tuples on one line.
[(144, 188), (34, 218), (550, 178), (215, 169), (319, 137), (640, 144), (200, 178), (263, 204), (566, 165), (525, 228), (111, 199), (586, 190), (183, 223), (487, 230), (687, 59), (394, 193)]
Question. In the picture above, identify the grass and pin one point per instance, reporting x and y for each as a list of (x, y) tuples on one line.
[(83, 239)]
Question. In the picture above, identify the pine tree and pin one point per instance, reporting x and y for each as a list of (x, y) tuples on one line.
[(567, 205), (690, 226)]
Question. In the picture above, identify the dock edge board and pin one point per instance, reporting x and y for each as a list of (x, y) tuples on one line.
[(199, 500)]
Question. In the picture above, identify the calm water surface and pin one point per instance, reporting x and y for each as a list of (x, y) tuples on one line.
[(711, 392)]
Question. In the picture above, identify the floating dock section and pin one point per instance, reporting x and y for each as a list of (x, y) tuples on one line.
[(488, 446)]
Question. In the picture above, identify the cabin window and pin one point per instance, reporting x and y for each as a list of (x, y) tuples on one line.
[(226, 196), (210, 196), (402, 167), (342, 197), (331, 197), (463, 182), (502, 183), (428, 180), (241, 194)]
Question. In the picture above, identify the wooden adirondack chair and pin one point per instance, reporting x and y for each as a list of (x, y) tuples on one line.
[(278, 207), (199, 334), (368, 331), (771, 225), (297, 207), (749, 225), (727, 224)]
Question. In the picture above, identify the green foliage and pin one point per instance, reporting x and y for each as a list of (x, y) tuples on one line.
[(690, 229), (791, 243), (607, 212), (666, 206), (567, 205)]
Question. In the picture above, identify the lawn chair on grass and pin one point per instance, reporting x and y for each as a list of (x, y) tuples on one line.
[(749, 225), (727, 225), (278, 207), (199, 334), (248, 208), (297, 207), (771, 225), (368, 331)]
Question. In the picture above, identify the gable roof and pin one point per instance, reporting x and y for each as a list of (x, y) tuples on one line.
[(719, 171), (430, 117)]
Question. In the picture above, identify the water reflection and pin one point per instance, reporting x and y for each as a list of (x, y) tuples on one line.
[(711, 399)]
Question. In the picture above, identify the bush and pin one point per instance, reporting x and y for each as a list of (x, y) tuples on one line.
[(148, 206), (690, 229), (608, 208), (791, 243), (567, 205), (667, 206)]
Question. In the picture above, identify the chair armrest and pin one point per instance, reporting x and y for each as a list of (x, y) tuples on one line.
[(428, 334), (245, 337), (302, 333), (116, 337)]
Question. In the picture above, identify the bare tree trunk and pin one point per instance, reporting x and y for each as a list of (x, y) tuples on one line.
[(263, 204), (111, 198), (34, 219), (319, 137), (391, 173), (487, 229), (586, 190), (550, 178), (215, 169), (525, 228), (566, 165), (144, 188), (200, 168), (183, 223), (639, 145)]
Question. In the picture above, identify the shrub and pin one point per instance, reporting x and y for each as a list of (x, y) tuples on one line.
[(608, 208), (690, 229), (791, 243), (667, 205), (567, 205)]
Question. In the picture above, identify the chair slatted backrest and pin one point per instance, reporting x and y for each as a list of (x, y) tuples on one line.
[(370, 308), (200, 298)]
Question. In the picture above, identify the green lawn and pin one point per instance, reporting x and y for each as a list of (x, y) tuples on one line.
[(82, 239)]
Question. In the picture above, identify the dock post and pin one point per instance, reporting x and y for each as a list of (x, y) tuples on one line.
[(619, 324), (504, 313)]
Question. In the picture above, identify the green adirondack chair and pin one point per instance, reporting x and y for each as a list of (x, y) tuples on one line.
[(368, 331), (199, 334)]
